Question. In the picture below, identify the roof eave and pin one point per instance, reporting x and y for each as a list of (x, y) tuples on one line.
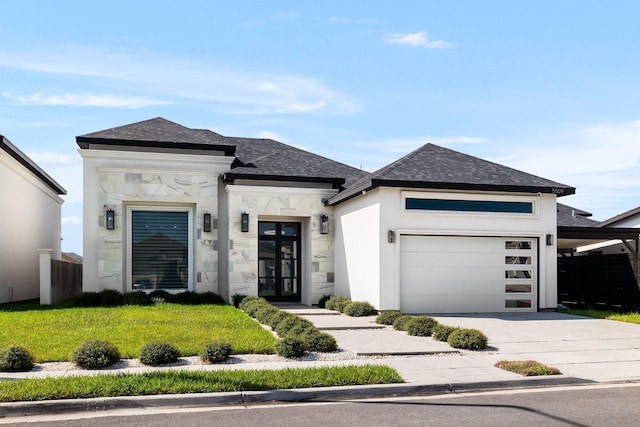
[(231, 176), (558, 191), (25, 161), (85, 143), (373, 183)]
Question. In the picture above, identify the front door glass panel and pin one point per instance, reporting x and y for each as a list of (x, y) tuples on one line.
[(279, 261)]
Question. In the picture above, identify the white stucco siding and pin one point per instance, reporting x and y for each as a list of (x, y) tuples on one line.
[(537, 225), (359, 247), (117, 180), (280, 204), (368, 265), (30, 218)]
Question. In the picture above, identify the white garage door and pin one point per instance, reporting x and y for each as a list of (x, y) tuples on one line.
[(458, 274)]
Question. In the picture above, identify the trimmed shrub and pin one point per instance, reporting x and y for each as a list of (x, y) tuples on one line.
[(246, 300), (291, 347), (15, 359), (187, 298), (252, 307), (110, 298), (441, 332), (160, 296), (277, 318), (216, 352), (291, 322), (236, 299), (158, 353), (337, 303), (388, 317), (211, 298), (359, 309), (87, 299), (400, 324), (95, 354), (421, 326), (323, 301), (264, 314), (469, 339), (299, 329), (136, 298), (319, 341)]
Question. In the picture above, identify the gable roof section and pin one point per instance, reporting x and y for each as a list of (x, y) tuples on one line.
[(572, 217), (621, 217), (25, 161), (266, 159), (435, 167), (158, 133)]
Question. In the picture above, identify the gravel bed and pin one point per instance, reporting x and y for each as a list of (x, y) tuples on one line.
[(195, 360)]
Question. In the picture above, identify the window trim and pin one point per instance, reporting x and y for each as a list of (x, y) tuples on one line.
[(190, 246)]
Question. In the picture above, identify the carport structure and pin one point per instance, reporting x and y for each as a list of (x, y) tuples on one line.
[(595, 279)]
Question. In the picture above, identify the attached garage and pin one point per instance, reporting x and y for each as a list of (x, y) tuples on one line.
[(455, 274)]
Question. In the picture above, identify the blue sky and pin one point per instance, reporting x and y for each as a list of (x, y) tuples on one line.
[(548, 87)]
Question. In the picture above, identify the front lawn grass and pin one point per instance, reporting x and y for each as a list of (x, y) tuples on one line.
[(603, 314), (527, 368), (51, 334), (180, 381)]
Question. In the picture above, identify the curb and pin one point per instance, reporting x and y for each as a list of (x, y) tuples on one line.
[(49, 407)]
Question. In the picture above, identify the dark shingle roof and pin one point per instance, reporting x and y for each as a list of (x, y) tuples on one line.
[(160, 133), (25, 161), (431, 166), (262, 159), (571, 217), (273, 160)]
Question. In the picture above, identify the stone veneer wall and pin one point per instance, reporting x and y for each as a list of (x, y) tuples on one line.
[(302, 205), (157, 181)]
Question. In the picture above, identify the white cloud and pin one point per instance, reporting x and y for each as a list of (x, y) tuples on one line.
[(372, 155), (50, 158), (87, 100), (174, 80), (417, 39), (602, 161)]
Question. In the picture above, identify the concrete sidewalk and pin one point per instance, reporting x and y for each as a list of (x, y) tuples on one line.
[(585, 350)]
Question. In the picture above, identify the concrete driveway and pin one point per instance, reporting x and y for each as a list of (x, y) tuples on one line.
[(581, 348)]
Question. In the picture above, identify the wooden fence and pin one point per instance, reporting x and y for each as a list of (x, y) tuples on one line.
[(66, 281), (605, 282)]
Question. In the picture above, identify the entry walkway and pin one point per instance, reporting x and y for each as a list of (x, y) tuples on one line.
[(364, 337)]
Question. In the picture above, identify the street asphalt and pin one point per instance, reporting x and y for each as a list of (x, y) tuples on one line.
[(585, 350)]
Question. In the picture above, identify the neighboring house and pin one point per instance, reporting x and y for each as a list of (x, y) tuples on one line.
[(30, 219), (169, 207)]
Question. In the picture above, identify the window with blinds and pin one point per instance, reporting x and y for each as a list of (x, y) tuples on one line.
[(159, 249)]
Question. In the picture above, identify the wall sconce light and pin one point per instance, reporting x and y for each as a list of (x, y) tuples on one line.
[(207, 222), (550, 240), (110, 219), (391, 236), (324, 224), (244, 222)]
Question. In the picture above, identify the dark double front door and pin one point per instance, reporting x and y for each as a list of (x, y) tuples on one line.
[(279, 261)]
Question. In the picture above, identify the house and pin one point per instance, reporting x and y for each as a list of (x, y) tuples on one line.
[(30, 219), (170, 207)]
